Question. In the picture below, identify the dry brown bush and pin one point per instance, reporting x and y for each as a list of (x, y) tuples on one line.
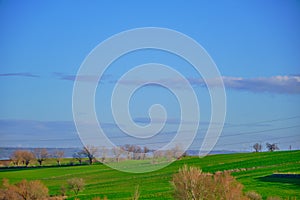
[(193, 184), (253, 195), (27, 190), (76, 185)]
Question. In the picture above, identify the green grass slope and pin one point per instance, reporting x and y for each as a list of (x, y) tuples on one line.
[(254, 170)]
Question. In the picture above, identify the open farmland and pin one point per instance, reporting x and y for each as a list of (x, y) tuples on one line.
[(256, 171)]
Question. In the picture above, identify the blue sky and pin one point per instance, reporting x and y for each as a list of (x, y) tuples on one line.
[(255, 44)]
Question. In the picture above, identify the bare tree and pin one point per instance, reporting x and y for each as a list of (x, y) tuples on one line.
[(40, 155), (16, 157), (117, 151), (137, 151), (58, 155), (27, 156), (177, 151), (103, 154), (90, 151), (257, 147), (76, 185), (78, 156), (272, 147), (145, 151), (128, 149)]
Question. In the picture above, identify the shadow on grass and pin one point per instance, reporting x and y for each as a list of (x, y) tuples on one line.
[(293, 179), (18, 168)]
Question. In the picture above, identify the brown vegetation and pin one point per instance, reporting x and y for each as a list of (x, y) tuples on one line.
[(193, 184), (27, 190), (76, 185)]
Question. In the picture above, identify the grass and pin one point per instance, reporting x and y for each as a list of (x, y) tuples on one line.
[(254, 170)]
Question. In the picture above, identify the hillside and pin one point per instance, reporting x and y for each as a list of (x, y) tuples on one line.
[(256, 171)]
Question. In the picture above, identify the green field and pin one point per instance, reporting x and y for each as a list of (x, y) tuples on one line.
[(254, 170)]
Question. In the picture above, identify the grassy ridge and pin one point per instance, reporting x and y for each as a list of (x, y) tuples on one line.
[(253, 170)]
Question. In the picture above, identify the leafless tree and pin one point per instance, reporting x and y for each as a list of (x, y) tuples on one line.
[(58, 155), (90, 151), (128, 149), (257, 147), (145, 151), (103, 154), (27, 156), (137, 151), (169, 154), (117, 151), (16, 157), (76, 185), (78, 156), (272, 147), (177, 151), (40, 155)]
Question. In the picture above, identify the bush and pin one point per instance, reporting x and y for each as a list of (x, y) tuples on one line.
[(76, 185), (33, 190), (253, 195), (192, 184)]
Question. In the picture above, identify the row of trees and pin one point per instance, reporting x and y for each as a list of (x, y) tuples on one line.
[(39, 154), (270, 147), (129, 152)]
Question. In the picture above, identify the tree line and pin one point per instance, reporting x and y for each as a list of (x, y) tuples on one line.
[(270, 147), (90, 153)]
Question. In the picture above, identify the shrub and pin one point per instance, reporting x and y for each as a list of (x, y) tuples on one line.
[(192, 184), (33, 190), (76, 185), (253, 195)]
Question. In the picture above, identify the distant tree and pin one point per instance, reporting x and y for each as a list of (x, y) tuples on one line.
[(145, 151), (257, 147), (177, 151), (128, 149), (78, 156), (103, 154), (58, 155), (76, 185), (137, 151), (17, 157), (27, 156), (40, 155), (272, 147), (117, 151), (89, 151)]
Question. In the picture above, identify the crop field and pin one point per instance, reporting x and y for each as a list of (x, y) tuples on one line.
[(268, 173)]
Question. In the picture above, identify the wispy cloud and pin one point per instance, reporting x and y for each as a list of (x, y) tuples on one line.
[(147, 120), (85, 78), (288, 84), (274, 84), (20, 74)]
